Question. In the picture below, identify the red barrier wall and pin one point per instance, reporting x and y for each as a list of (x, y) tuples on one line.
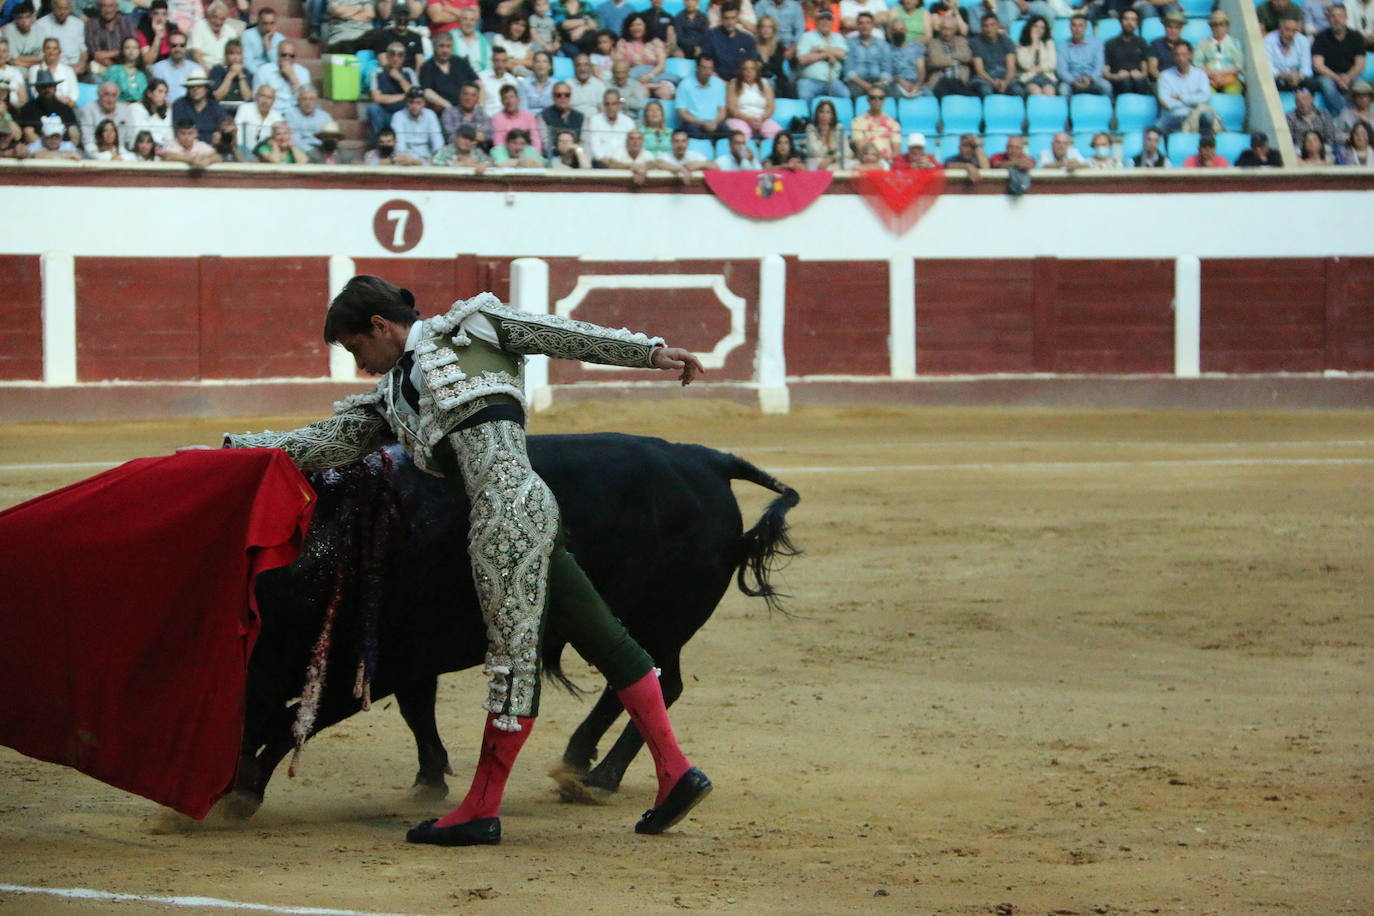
[(1264, 316), (837, 317), (975, 317), (21, 318)]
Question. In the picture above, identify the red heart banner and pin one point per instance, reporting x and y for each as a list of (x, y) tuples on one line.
[(902, 197), (767, 195)]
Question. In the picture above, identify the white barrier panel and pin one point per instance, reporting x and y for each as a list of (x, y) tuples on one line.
[(529, 292), (772, 356), (1187, 317), (341, 365), (901, 304)]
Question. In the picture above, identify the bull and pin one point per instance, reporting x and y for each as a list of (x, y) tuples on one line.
[(369, 613)]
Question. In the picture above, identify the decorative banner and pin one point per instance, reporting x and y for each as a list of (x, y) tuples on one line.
[(767, 195), (902, 197)]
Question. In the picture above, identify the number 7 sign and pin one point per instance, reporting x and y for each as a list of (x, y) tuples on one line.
[(398, 226)]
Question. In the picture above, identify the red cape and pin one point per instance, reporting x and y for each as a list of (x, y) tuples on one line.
[(128, 617)]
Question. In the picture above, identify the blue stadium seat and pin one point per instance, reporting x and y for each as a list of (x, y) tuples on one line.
[(1135, 111), (1289, 100), (672, 7), (1181, 146), (669, 112), (1060, 30), (1152, 28), (676, 66), (1131, 145), (705, 147), (1369, 67), (1046, 113), (86, 93), (1004, 114), (367, 63), (784, 110), (1107, 29), (844, 108), (949, 146), (1195, 31), (1038, 143), (961, 114), (563, 67), (1090, 112), (1016, 26), (639, 6), (1232, 144), (994, 144), (921, 114), (765, 148), (889, 108), (1083, 142), (1230, 108), (1197, 9)]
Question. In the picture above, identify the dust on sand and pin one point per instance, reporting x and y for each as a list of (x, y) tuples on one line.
[(1040, 662)]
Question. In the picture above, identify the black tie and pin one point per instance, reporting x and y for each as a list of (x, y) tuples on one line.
[(412, 396)]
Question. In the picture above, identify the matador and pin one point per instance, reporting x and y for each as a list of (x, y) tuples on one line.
[(452, 393)]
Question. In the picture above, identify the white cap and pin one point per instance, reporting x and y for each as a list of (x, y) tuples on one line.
[(52, 126), (916, 138)]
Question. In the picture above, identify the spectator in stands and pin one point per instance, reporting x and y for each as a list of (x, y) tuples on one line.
[(728, 43), (1290, 57), (279, 148), (1357, 151), (1151, 155), (949, 62), (867, 63), (1337, 59), (514, 40), (198, 107), (444, 15), (463, 151), (820, 59), (701, 102), (1162, 49), (646, 57), (385, 152), (12, 145), (611, 14), (1361, 15), (544, 28), (399, 32), (70, 32), (1013, 157), (739, 157), (576, 27), (606, 130), (588, 89), (682, 159), (868, 159), (144, 147), (26, 44), (189, 148), (658, 139), (468, 113), (106, 107), (1206, 156), (749, 103), (346, 25), (155, 33), (1082, 61), (68, 86), (307, 119), (1127, 58), (175, 67), (536, 90), (105, 33), (44, 103), (1037, 64), (212, 33), (788, 20), (326, 149), (1260, 153), (560, 116), (417, 128), (14, 91), (285, 76), (877, 127), (994, 60), (907, 58), (949, 10), (105, 144), (1312, 150), (1222, 58), (1305, 117), (634, 157), (1104, 155), (516, 152), (253, 123), (1314, 15), (494, 78), (633, 94), (226, 142), (513, 117), (53, 142), (604, 52), (1184, 94), (130, 74), (851, 10), (390, 83), (825, 144), (1360, 95), (444, 75), (971, 157), (1271, 14), (153, 114), (1062, 155), (230, 82), (784, 155), (260, 43), (690, 27)]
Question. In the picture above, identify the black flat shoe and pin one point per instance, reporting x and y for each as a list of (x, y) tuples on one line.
[(691, 788), (484, 831)]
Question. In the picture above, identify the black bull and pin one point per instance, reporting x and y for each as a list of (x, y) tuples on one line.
[(654, 524)]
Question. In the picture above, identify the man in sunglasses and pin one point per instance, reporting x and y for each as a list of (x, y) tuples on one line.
[(286, 76), (561, 115), (176, 68)]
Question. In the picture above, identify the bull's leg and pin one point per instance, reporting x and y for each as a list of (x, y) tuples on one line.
[(417, 702), (611, 770)]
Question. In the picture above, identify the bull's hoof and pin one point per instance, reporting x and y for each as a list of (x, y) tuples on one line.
[(573, 790), (429, 791), (239, 805), (602, 780)]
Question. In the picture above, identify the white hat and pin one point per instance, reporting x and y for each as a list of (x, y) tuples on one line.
[(196, 77), (52, 126), (916, 138)]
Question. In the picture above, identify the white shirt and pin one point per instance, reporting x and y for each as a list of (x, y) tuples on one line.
[(1073, 155), (67, 85), (491, 89), (89, 117), (71, 34), (211, 48), (606, 140), (726, 162), (14, 77), (691, 156), (140, 119), (252, 127)]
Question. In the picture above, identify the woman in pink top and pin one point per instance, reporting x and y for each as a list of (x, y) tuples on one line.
[(646, 56), (749, 103)]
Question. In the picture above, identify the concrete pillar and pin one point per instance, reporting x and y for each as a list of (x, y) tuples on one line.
[(772, 359), (58, 270), (529, 291), (901, 306), (341, 365), (1187, 317)]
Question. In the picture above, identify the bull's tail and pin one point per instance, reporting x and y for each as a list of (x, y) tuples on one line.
[(768, 545)]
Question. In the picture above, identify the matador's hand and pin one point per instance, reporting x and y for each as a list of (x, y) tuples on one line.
[(671, 358)]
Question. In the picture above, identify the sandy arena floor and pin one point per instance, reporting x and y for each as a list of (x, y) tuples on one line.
[(1043, 662)]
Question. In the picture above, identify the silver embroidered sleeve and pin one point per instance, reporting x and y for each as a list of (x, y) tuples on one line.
[(333, 442), (566, 338)]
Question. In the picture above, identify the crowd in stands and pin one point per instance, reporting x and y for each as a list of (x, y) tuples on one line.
[(737, 85)]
